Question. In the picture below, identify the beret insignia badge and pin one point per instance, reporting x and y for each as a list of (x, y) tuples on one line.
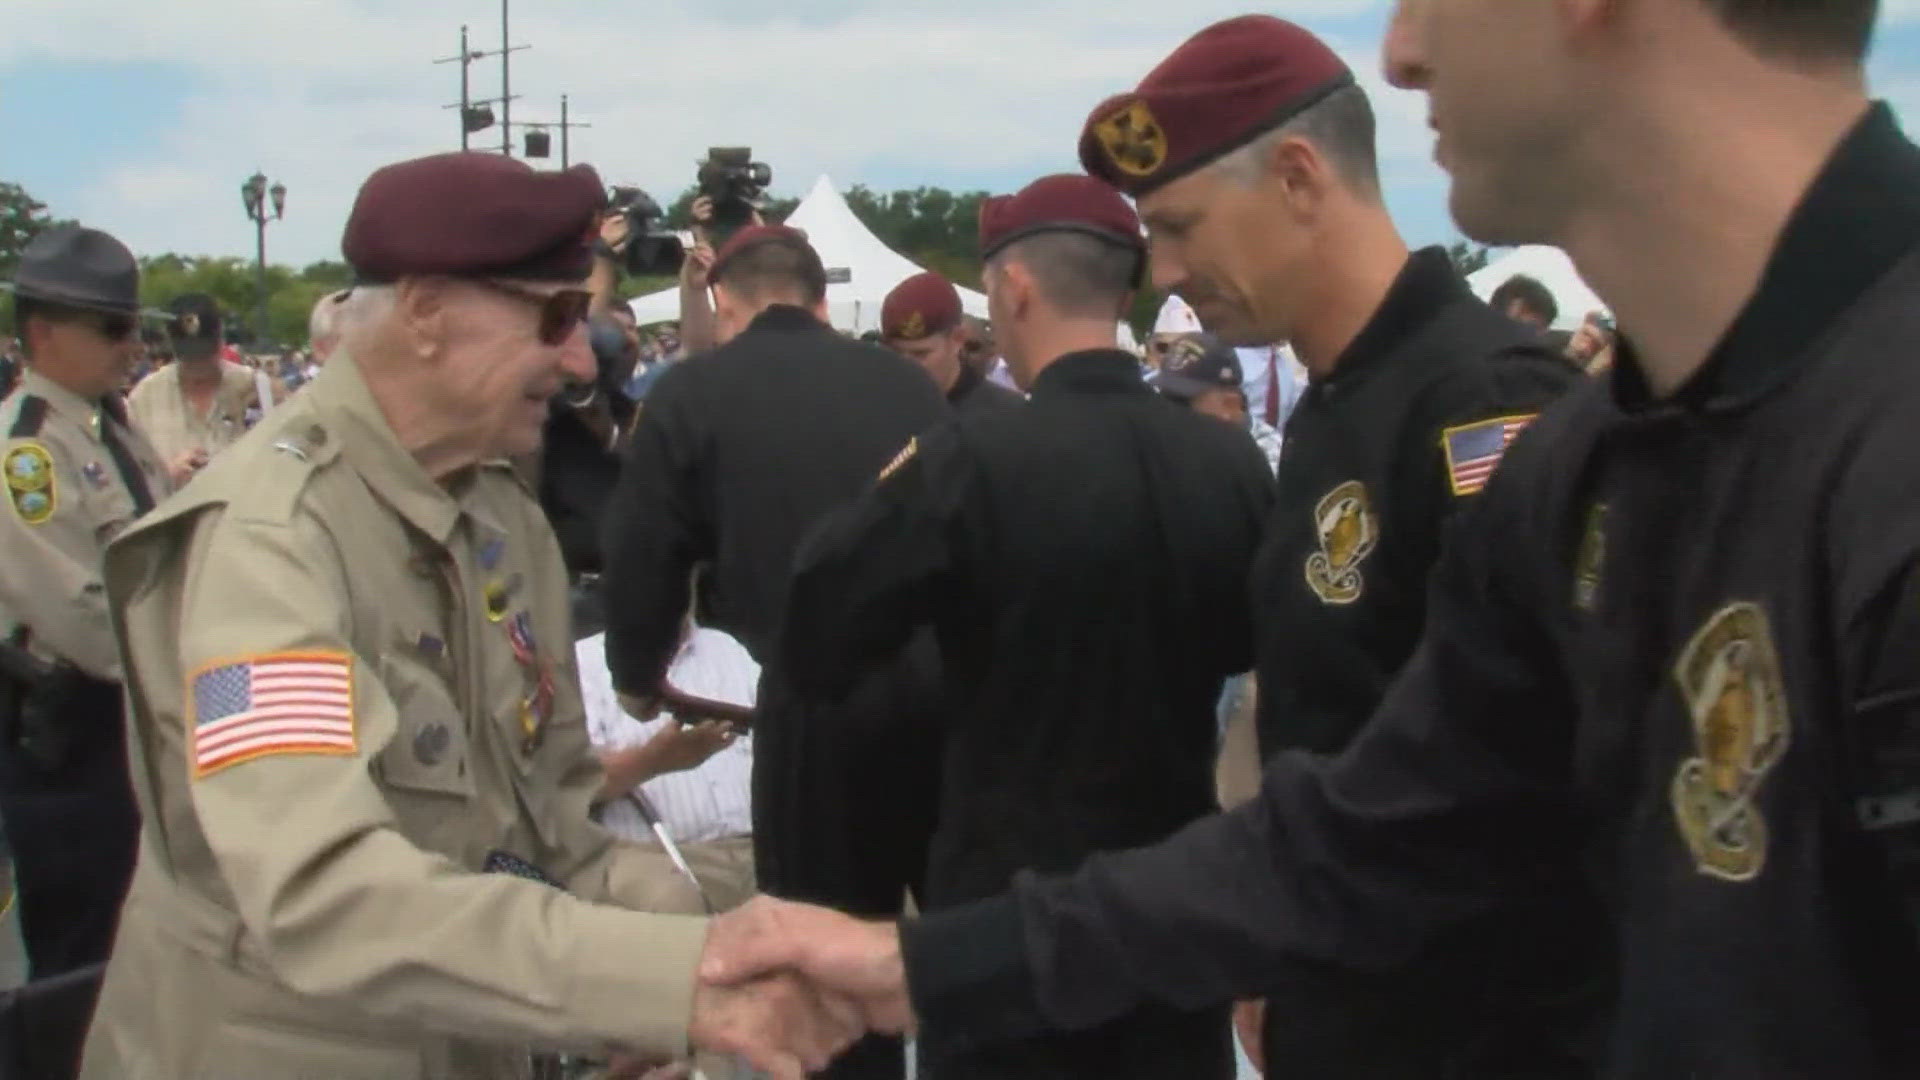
[(914, 327), (190, 325), (1134, 141)]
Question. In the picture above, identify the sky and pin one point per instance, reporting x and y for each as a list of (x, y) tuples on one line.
[(144, 119)]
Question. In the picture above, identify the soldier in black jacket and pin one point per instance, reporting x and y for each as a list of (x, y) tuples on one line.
[(1263, 201), (922, 321), (734, 456), (1669, 657), (1082, 561)]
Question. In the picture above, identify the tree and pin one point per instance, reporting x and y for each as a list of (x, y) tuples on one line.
[(1468, 257), (22, 217)]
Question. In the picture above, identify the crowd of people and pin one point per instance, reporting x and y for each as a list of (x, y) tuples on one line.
[(1360, 672)]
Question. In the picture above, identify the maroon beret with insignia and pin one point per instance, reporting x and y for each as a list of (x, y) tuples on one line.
[(1062, 203), (1224, 87), (923, 304), (753, 236), (474, 215)]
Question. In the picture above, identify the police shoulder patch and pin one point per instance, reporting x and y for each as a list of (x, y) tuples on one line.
[(30, 486), (905, 455)]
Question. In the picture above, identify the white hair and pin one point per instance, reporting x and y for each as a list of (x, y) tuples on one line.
[(1341, 126)]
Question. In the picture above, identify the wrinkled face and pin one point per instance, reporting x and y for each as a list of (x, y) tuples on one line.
[(1508, 102), (938, 354), (88, 352), (501, 366), (1228, 405), (1231, 250)]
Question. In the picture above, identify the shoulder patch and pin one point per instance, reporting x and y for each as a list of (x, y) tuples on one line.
[(1474, 450), (29, 469), (905, 455), (280, 703), (33, 414)]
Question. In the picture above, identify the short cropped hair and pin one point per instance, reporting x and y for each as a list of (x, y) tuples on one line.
[(1341, 126), (1532, 294), (776, 268), (1079, 274), (1802, 29)]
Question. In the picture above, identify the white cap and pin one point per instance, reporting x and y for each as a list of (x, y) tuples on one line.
[(1176, 318)]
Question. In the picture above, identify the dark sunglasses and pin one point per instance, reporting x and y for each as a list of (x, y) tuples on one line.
[(560, 312), (111, 325)]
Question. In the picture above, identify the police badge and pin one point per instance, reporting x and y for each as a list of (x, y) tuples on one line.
[(1348, 532), (1729, 677)]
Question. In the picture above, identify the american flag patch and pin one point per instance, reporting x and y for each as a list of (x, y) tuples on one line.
[(1474, 450), (285, 703)]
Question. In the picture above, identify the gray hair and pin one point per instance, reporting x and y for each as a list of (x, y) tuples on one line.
[(1340, 126)]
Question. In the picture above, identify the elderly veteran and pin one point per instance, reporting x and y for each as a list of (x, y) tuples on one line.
[(355, 726)]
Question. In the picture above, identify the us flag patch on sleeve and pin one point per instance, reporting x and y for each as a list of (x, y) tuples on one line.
[(282, 703), (1474, 450)]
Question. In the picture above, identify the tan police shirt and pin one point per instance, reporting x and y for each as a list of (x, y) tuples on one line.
[(66, 496), (351, 690), (160, 410)]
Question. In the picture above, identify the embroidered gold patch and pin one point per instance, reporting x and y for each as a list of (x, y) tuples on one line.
[(29, 469), (1729, 676), (1134, 141), (1589, 559), (905, 455), (914, 328), (1348, 532)]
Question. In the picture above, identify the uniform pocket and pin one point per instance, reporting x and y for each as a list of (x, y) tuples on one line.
[(429, 751)]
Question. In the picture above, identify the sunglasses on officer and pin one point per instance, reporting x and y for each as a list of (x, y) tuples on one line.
[(561, 312), (115, 326)]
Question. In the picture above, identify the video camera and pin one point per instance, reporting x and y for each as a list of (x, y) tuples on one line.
[(651, 247), (734, 182)]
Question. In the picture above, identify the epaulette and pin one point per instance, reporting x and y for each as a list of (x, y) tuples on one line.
[(32, 415)]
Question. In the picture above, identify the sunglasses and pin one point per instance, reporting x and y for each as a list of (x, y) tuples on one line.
[(108, 324), (560, 312)]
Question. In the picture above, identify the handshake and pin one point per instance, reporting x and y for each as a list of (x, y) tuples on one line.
[(789, 986)]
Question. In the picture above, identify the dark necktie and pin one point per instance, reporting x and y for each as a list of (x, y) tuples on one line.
[(112, 417), (1273, 387)]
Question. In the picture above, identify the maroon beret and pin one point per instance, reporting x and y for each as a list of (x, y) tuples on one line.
[(474, 215), (923, 304), (1062, 203), (1224, 87), (753, 236)]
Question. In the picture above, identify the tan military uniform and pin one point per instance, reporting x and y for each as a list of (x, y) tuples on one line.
[(160, 410), (310, 903), (67, 498)]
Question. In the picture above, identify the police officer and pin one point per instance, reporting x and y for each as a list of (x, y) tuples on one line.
[(732, 459), (1082, 560), (1669, 655), (922, 321), (76, 475), (1251, 152), (356, 731)]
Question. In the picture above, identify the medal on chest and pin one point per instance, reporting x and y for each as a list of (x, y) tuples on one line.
[(536, 705)]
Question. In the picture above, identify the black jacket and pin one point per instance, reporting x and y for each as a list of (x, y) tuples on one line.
[(735, 454), (972, 393), (1082, 560), (1669, 662)]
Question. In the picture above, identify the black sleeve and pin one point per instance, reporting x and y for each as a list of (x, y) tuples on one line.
[(655, 533), (1452, 804), (871, 572)]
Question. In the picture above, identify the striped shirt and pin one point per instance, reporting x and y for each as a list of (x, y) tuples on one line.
[(711, 802)]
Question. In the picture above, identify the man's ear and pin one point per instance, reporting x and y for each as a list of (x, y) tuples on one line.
[(420, 305)]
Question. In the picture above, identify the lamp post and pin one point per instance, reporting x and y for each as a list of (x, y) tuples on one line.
[(261, 200)]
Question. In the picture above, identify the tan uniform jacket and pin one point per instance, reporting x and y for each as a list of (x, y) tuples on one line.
[(161, 412), (66, 499), (308, 903)]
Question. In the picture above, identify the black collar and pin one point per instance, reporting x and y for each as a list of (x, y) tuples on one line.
[(963, 385), (784, 317), (1860, 217), (1427, 284), (1090, 369)]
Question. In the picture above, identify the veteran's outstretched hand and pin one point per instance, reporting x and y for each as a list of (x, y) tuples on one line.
[(852, 962)]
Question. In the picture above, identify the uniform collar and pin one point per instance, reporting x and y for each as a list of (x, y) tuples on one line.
[(1090, 369), (964, 385), (81, 411), (1426, 285), (1860, 218), (348, 413), (785, 317)]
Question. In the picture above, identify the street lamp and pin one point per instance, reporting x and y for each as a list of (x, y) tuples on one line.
[(263, 204)]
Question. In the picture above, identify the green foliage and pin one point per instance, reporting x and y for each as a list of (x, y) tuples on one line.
[(22, 218), (233, 283)]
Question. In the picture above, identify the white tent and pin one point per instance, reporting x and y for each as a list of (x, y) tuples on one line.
[(1551, 267), (861, 270)]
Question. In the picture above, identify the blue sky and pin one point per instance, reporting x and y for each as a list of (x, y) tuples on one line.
[(148, 129)]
